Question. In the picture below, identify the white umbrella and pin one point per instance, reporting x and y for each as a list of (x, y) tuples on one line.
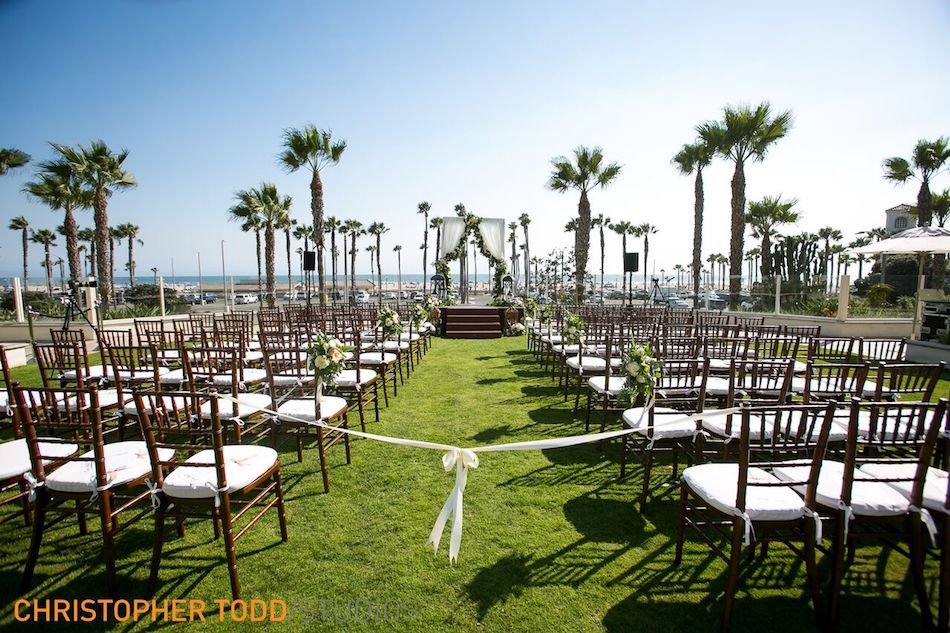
[(920, 241)]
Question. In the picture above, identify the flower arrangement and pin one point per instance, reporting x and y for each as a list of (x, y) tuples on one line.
[(641, 369), (431, 302), (530, 306), (573, 332), (325, 356), (517, 329), (419, 315), (390, 322), (544, 313)]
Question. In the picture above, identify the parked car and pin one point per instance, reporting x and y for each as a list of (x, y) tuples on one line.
[(192, 299), (210, 297), (389, 296), (361, 297), (292, 296), (245, 298), (418, 297), (677, 303)]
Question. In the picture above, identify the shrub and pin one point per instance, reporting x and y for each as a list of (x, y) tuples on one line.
[(879, 295), (39, 301)]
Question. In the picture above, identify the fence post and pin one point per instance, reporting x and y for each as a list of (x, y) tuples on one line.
[(18, 300), (778, 294), (92, 305), (844, 296), (161, 295)]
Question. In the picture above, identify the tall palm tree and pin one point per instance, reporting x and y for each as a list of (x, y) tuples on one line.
[(377, 229), (751, 256), (679, 272), (513, 240), (711, 260), (302, 232), (858, 242), (332, 226), (88, 235), (744, 134), (355, 228), (436, 225), (103, 173), (286, 225), (586, 172), (314, 149), (424, 208), (272, 211), (722, 261), (763, 216), (398, 250), (130, 232), (837, 253), (693, 158), (11, 158), (928, 158), (876, 235), (524, 220), (250, 221), (941, 207), (372, 267), (623, 229), (20, 223), (58, 186), (601, 222), (47, 238), (645, 230), (829, 234), (115, 234)]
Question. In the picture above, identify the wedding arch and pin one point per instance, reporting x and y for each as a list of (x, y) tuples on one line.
[(489, 234)]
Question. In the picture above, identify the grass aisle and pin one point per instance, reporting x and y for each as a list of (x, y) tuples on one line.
[(552, 539)]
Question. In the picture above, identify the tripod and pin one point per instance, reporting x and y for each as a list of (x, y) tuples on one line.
[(72, 309), (657, 292)]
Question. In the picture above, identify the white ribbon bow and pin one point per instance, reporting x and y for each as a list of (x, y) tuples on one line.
[(153, 493), (928, 521), (32, 484), (461, 459)]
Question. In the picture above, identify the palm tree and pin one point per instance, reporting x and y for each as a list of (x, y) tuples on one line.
[(424, 208), (314, 149), (286, 225), (763, 216), (130, 232), (858, 242), (398, 250), (745, 133), (88, 235), (47, 238), (586, 172), (838, 253), (513, 240), (250, 221), (828, 234), (58, 186), (694, 158), (645, 230), (377, 229), (600, 222), (712, 260), (355, 229), (303, 232), (876, 235), (102, 172), (20, 223), (927, 159), (624, 229), (11, 158), (332, 226), (723, 261), (679, 272), (941, 207), (115, 234), (524, 220), (154, 270), (436, 224), (272, 211), (750, 256), (372, 270)]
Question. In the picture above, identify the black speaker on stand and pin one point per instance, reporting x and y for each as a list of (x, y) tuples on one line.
[(309, 265), (631, 264)]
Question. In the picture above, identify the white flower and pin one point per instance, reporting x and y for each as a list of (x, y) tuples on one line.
[(632, 368), (321, 362), (335, 342), (641, 379)]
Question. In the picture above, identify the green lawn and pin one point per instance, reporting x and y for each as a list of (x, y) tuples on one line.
[(552, 539)]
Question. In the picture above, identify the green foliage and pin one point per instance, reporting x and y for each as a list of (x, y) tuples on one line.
[(147, 295), (900, 273), (38, 301), (880, 295)]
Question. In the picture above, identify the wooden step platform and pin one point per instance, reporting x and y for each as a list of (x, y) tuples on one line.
[(472, 321)]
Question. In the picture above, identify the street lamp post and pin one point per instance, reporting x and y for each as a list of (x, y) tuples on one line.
[(224, 277), (201, 293)]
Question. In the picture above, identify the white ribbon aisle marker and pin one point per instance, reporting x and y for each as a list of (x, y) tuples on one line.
[(464, 458)]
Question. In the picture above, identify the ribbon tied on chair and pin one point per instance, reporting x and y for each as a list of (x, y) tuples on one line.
[(461, 459)]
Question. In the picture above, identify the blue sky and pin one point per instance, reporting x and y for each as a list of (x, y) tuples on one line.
[(448, 102)]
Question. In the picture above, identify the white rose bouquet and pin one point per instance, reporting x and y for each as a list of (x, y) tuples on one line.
[(390, 322), (419, 315), (326, 356), (544, 313), (431, 302), (517, 329), (573, 332), (641, 369)]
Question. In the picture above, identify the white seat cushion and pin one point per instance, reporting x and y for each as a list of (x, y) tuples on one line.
[(408, 337), (140, 375), (107, 398), (181, 403), (173, 377), (31, 395), (377, 358), (15, 456), (935, 485), (638, 418), (253, 357), (591, 363), (717, 426), (305, 409), (248, 405), (292, 380), (616, 386), (717, 485), (243, 465), (124, 461), (868, 497), (249, 377), (347, 377), (391, 345), (716, 386)]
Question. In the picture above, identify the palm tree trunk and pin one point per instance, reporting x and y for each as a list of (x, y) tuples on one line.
[(269, 263), (581, 246), (72, 250), (738, 233), (103, 262), (290, 274), (527, 260), (316, 207), (346, 277), (697, 230), (333, 255), (379, 267), (131, 263), (49, 270), (602, 255), (353, 262), (26, 252), (623, 300), (646, 254), (766, 248), (257, 238), (112, 266), (425, 251)]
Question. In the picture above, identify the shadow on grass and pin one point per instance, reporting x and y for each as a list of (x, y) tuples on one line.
[(492, 434)]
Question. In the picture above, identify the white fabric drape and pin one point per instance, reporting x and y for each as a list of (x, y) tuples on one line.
[(493, 236), (452, 230)]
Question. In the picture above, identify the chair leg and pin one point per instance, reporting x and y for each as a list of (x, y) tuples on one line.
[(81, 519), (25, 502), (811, 569), (281, 516), (917, 567), (39, 520), (735, 555), (623, 455), (376, 400), (943, 601), (587, 413), (837, 570), (359, 405), (346, 437), (647, 467), (158, 540), (229, 545), (108, 540), (680, 526), (323, 460)]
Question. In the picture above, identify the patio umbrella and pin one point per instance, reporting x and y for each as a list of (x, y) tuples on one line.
[(920, 241)]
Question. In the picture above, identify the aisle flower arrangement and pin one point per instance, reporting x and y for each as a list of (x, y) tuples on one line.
[(517, 329), (642, 370), (390, 322), (573, 332), (325, 357), (544, 313), (419, 316)]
